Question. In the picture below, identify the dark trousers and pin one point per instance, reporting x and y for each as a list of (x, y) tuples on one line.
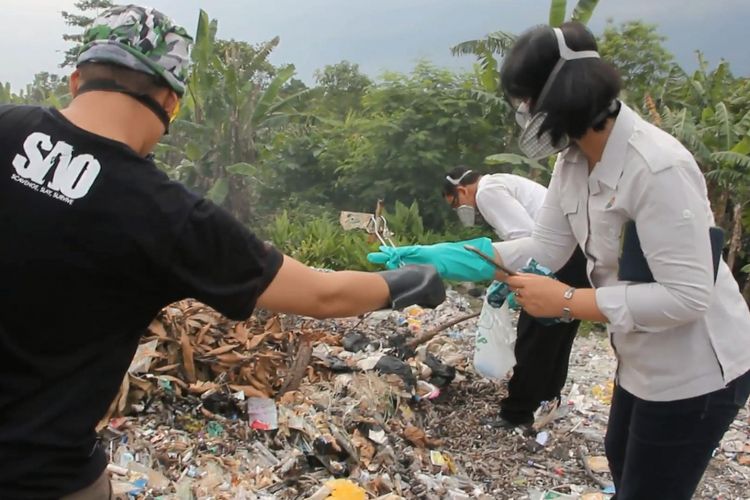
[(659, 450), (101, 489), (542, 354)]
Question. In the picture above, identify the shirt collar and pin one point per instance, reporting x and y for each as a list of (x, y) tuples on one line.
[(609, 169)]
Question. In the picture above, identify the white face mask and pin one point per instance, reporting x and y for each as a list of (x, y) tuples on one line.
[(467, 215), (523, 115), (532, 144), (536, 146)]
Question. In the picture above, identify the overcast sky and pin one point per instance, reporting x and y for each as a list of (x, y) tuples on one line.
[(381, 35)]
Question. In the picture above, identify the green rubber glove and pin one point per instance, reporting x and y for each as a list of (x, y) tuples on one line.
[(451, 259)]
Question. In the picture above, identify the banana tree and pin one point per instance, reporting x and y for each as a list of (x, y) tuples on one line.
[(234, 103), (582, 12), (494, 45), (709, 113)]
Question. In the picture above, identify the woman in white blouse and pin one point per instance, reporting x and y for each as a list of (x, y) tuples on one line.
[(682, 340), (682, 335)]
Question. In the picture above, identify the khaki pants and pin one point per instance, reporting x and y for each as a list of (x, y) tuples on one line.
[(101, 489)]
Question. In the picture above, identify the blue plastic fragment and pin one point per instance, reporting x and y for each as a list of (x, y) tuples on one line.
[(139, 486)]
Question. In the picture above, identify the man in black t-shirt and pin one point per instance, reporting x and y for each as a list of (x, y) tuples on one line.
[(96, 240)]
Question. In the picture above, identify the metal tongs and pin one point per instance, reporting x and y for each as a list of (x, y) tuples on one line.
[(378, 226), (373, 224)]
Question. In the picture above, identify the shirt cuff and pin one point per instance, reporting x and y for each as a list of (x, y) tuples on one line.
[(513, 253), (612, 301)]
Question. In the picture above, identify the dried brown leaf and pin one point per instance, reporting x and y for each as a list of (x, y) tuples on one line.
[(201, 333), (419, 438), (187, 357), (166, 368), (364, 446), (202, 386), (273, 325), (240, 333), (256, 340), (157, 328), (231, 358), (221, 350)]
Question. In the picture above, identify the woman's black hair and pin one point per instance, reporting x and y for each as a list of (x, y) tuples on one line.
[(581, 91), (459, 176)]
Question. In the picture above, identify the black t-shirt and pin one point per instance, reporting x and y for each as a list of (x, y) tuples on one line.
[(94, 240)]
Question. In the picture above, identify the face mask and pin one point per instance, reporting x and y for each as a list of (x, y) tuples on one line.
[(523, 115), (532, 144), (467, 215), (539, 146)]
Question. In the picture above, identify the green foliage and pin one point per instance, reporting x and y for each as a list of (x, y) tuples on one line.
[(286, 158), (523, 166), (341, 87), (235, 102), (410, 131), (47, 89), (708, 112), (557, 12), (89, 9), (319, 241), (488, 51), (638, 53), (583, 10)]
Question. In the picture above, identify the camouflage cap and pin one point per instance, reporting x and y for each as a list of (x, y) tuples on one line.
[(142, 39)]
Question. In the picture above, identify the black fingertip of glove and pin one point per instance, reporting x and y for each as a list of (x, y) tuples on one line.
[(417, 284)]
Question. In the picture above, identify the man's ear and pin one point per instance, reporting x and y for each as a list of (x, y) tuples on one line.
[(170, 102), (74, 83)]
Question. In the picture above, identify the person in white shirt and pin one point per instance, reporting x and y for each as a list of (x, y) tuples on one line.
[(681, 336), (509, 204), (682, 340)]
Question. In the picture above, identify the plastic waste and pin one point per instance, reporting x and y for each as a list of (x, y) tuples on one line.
[(495, 341), (442, 374), (425, 390), (355, 341), (344, 489), (262, 414), (154, 478), (391, 364), (214, 429), (123, 456), (542, 438)]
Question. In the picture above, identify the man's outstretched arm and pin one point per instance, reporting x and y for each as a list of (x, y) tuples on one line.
[(298, 289)]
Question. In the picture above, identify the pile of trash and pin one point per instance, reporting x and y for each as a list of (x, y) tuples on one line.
[(382, 407)]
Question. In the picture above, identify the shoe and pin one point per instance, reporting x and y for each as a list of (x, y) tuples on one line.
[(500, 422)]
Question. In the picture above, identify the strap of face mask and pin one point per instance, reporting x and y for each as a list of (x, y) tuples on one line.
[(566, 54), (612, 109), (146, 100), (457, 182)]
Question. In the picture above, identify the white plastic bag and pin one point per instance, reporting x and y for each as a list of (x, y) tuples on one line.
[(495, 341)]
